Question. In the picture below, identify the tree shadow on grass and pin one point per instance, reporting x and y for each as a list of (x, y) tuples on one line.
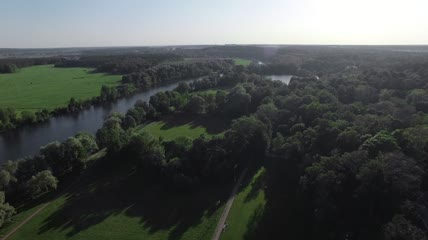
[(119, 191), (256, 184), (213, 125), (282, 216)]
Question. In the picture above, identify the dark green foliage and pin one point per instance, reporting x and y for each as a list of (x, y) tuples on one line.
[(183, 87), (161, 102), (248, 138), (381, 142), (402, 229), (344, 144), (42, 182), (8, 68), (238, 102), (111, 135), (196, 105), (6, 211), (147, 153)]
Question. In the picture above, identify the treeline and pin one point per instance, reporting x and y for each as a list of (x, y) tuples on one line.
[(183, 164), (8, 68), (119, 64), (151, 77), (276, 69), (348, 156), (10, 119), (30, 177), (13, 65), (172, 72), (142, 80)]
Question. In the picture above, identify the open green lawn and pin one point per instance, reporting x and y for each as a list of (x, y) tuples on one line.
[(23, 212), (111, 202), (247, 208), (37, 87), (184, 125), (240, 61), (158, 129)]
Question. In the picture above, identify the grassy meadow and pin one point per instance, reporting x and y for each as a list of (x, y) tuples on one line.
[(246, 209), (37, 87), (181, 125), (110, 201)]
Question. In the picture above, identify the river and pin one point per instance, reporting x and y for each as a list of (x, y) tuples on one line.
[(26, 141)]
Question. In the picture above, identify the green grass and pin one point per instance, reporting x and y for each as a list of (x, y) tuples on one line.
[(246, 209), (37, 87), (243, 62), (23, 212), (158, 129), (178, 125), (111, 202), (119, 225)]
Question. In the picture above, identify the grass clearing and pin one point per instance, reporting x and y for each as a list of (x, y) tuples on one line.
[(23, 212), (179, 125), (37, 87), (159, 129), (243, 62), (247, 208), (111, 202)]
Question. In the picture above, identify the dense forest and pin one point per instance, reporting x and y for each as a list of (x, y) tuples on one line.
[(344, 144)]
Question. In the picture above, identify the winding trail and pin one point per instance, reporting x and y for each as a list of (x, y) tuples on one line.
[(223, 218), (16, 228), (217, 233)]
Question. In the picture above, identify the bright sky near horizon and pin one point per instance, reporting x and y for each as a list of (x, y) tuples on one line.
[(86, 23)]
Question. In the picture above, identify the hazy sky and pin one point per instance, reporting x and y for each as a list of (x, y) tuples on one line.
[(76, 23)]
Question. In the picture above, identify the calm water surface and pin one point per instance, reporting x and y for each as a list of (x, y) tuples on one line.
[(28, 140)]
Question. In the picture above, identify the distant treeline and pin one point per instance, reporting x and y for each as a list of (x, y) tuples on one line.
[(13, 65), (119, 64), (141, 80)]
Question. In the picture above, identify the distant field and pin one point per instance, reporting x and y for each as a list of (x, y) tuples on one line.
[(109, 202), (240, 61), (38, 87), (246, 209)]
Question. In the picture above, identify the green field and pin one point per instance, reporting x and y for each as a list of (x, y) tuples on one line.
[(183, 125), (246, 209), (158, 129), (243, 62), (111, 202), (37, 87)]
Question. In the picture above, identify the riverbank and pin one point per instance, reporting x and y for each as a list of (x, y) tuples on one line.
[(26, 141)]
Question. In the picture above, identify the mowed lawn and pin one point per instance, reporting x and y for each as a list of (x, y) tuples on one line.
[(111, 202), (37, 87), (247, 209)]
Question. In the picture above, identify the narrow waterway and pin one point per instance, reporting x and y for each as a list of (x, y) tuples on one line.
[(27, 141)]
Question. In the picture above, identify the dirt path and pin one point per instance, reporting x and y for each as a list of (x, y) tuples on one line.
[(11, 232), (223, 218), (16, 228)]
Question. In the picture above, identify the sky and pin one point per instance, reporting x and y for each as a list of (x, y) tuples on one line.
[(91, 23)]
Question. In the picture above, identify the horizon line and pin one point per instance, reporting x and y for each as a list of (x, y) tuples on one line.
[(228, 44)]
